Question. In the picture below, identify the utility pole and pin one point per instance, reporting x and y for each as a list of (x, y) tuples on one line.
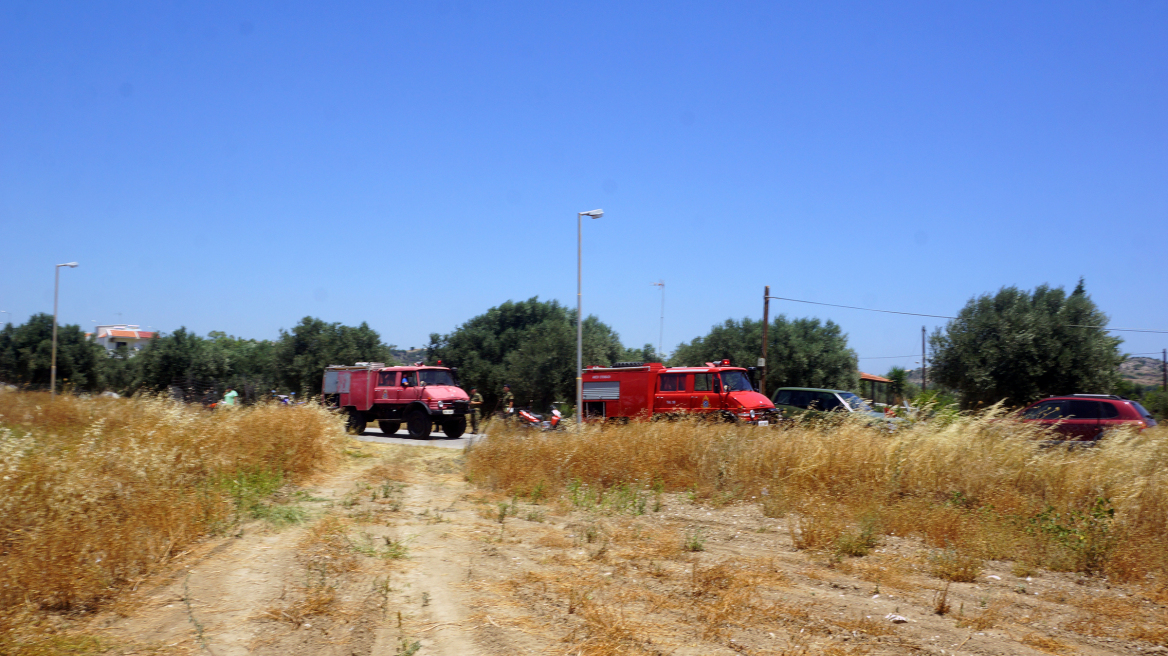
[(1164, 368), (766, 320), (924, 363)]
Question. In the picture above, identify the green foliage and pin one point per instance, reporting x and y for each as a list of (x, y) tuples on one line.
[(800, 352), (192, 362), (1156, 402), (1021, 346), (901, 387), (530, 345), (694, 540), (303, 353), (195, 364), (26, 355), (1087, 538)]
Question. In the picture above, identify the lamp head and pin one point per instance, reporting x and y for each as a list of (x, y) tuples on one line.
[(596, 214), (69, 264)]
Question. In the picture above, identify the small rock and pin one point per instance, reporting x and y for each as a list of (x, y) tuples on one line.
[(896, 619)]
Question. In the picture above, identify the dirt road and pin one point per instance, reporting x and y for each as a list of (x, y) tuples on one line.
[(402, 556)]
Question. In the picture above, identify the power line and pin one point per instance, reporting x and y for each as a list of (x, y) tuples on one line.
[(942, 316), (890, 357), (852, 307)]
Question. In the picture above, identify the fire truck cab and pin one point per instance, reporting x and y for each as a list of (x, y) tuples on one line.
[(638, 390), (420, 395)]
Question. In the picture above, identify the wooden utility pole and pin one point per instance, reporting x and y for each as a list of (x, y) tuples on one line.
[(766, 320), (924, 363)]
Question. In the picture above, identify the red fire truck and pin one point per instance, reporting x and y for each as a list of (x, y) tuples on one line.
[(638, 390), (418, 395)]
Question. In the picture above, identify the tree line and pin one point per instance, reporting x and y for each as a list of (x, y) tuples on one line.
[(186, 362), (1014, 346)]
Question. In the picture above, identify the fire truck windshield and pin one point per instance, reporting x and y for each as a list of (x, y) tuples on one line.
[(435, 377), (736, 381)]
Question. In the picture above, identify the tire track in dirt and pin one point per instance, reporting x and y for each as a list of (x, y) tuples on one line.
[(449, 614), (214, 601), (247, 594)]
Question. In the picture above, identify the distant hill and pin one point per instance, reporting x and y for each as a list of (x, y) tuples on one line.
[(1141, 371)]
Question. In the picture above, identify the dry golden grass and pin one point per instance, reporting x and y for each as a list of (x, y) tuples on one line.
[(980, 485), (97, 493), (1046, 644)]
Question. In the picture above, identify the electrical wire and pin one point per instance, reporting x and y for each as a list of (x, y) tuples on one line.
[(942, 316)]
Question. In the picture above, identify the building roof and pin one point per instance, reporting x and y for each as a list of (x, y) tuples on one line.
[(873, 377), (133, 334)]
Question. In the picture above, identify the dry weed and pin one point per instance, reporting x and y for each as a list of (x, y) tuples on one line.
[(95, 493), (988, 618), (954, 565), (1046, 644), (979, 483)]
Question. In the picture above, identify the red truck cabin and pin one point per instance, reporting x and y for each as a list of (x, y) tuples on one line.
[(641, 391)]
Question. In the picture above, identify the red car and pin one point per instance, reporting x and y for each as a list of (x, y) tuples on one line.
[(1087, 417)]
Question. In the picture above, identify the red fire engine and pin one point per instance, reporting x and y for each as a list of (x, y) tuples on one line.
[(638, 390), (419, 395)]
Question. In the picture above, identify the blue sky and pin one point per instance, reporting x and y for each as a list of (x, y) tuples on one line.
[(238, 166)]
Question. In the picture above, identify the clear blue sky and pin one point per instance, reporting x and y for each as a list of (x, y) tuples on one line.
[(238, 166)]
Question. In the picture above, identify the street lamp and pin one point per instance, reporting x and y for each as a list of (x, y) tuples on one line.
[(53, 367), (596, 214)]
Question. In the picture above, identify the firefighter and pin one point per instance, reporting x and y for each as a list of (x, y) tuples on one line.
[(476, 402), (508, 400)]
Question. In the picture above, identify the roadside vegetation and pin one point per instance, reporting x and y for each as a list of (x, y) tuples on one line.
[(97, 493), (975, 487)]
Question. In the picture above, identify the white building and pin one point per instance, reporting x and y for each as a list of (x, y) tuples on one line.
[(121, 336)]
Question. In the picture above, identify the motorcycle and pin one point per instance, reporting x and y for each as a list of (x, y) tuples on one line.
[(537, 422)]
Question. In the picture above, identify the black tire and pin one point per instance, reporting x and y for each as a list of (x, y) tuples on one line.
[(354, 423), (389, 427), (419, 424), (454, 427)]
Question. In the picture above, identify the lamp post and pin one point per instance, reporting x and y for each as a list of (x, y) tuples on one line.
[(56, 288), (596, 214), (661, 335)]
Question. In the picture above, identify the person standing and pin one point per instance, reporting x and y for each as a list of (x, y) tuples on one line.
[(508, 400), (476, 402), (229, 397)]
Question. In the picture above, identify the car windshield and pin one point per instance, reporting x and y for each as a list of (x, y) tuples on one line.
[(736, 381), (855, 403), (435, 377)]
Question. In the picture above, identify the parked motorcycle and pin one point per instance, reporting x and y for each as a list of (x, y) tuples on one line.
[(538, 422)]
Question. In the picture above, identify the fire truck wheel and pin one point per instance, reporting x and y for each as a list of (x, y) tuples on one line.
[(454, 427), (419, 424), (354, 423), (389, 427)]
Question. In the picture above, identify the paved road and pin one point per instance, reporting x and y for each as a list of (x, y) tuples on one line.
[(437, 438)]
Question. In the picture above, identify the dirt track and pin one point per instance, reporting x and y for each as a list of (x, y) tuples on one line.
[(559, 578)]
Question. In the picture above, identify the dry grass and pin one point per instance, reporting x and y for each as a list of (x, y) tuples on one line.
[(96, 493), (979, 486)]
